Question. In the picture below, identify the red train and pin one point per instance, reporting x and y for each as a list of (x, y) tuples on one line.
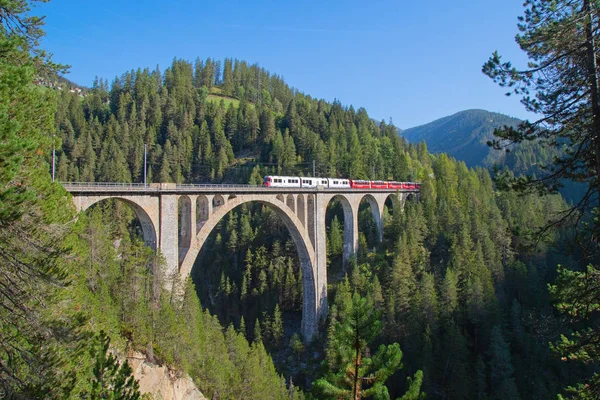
[(335, 183)]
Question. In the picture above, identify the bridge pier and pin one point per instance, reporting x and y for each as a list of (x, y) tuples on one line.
[(302, 210), (169, 234)]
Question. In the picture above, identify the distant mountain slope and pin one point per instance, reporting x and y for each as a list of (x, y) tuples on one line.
[(462, 135)]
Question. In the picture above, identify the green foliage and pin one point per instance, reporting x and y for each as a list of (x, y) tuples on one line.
[(111, 379), (121, 294), (576, 294), (39, 335), (354, 374), (195, 131), (569, 113), (463, 136), (500, 368), (560, 39), (450, 269)]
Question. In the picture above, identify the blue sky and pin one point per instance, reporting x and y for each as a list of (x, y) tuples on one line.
[(411, 61)]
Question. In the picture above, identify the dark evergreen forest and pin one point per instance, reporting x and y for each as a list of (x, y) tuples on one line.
[(472, 293), (459, 280)]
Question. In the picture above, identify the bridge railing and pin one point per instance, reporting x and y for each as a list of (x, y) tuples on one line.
[(108, 186), (104, 184), (188, 187), (192, 186)]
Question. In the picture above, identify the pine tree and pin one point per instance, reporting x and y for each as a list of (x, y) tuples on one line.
[(355, 375), (33, 358), (257, 333), (576, 295), (228, 83), (165, 169), (112, 380), (242, 329), (336, 241), (449, 295), (561, 40), (277, 326), (502, 382)]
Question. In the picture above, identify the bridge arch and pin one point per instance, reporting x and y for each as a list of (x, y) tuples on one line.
[(298, 233), (148, 222), (350, 226), (377, 213), (203, 210)]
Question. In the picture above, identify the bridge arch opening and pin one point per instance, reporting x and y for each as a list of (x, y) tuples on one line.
[(392, 213), (291, 203), (217, 202), (252, 255), (142, 222), (202, 211), (184, 211), (301, 209), (370, 225), (310, 218), (339, 222)]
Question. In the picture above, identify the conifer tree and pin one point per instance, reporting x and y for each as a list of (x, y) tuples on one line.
[(33, 358), (112, 380), (502, 383), (560, 39), (277, 326), (257, 335), (355, 375)]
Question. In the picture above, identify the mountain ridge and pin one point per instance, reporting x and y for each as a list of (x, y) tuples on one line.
[(462, 135)]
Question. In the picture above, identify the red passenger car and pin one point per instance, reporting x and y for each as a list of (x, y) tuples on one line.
[(394, 185), (358, 184), (379, 185)]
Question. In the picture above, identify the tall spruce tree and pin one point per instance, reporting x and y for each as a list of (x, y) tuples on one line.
[(354, 373), (34, 344), (562, 85)]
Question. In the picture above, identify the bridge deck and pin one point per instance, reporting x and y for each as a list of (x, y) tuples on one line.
[(99, 187)]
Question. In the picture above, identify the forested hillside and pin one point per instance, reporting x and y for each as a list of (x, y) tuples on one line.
[(463, 136), (459, 280), (195, 130)]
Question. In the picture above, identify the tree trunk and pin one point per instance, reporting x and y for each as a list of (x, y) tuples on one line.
[(594, 86)]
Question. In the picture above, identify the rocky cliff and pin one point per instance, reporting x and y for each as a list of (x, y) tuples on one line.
[(161, 382)]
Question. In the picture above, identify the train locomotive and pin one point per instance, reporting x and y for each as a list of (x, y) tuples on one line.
[(335, 183)]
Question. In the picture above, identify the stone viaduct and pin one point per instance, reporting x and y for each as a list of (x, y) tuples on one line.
[(177, 219)]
